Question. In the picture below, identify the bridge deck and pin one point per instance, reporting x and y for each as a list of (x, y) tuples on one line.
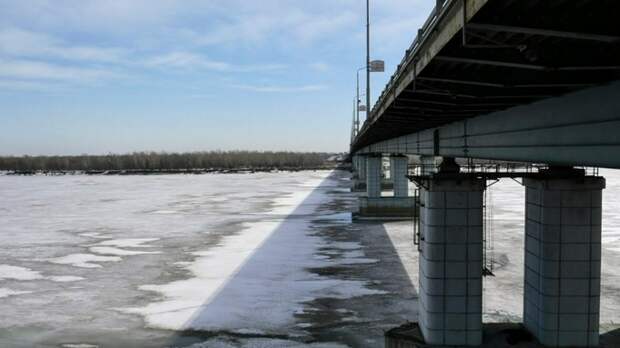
[(510, 53)]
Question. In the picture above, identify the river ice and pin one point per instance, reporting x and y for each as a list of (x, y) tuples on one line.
[(236, 260)]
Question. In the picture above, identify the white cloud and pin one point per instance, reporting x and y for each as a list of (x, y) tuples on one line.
[(35, 70), (28, 86), (319, 66), (290, 26), (186, 60), (202, 22), (281, 89), (193, 61), (22, 43), (79, 41), (310, 29)]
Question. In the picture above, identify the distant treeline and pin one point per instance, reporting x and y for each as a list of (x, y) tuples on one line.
[(153, 161)]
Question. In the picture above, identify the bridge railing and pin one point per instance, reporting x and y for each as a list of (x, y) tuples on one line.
[(438, 11)]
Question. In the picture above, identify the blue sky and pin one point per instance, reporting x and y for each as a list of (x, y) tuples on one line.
[(86, 76)]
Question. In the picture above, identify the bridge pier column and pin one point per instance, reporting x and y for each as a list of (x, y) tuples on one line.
[(398, 174), (563, 260), (362, 168), (450, 263), (359, 176), (373, 176), (373, 205), (429, 164)]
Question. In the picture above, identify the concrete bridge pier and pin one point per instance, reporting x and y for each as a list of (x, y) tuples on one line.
[(359, 177), (376, 206), (362, 168), (563, 259), (398, 173), (355, 165), (450, 263), (429, 164), (373, 176)]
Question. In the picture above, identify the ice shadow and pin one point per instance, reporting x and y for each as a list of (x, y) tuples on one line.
[(271, 276)]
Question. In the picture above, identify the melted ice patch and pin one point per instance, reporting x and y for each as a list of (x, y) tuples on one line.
[(358, 261), (119, 252), (79, 345), (129, 242), (4, 292), (18, 273), (355, 256), (26, 274), (338, 218), (343, 245), (164, 212), (65, 279), (95, 235), (84, 260)]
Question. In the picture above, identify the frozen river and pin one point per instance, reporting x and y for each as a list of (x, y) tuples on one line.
[(237, 260)]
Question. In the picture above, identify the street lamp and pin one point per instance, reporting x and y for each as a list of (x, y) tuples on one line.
[(367, 57), (374, 66), (377, 66), (357, 107), (371, 66)]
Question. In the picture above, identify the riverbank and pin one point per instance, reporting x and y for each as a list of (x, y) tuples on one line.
[(241, 170)]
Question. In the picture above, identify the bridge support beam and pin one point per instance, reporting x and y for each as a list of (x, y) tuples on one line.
[(585, 135), (398, 174), (450, 263), (563, 260)]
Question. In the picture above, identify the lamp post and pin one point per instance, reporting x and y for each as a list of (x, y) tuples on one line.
[(367, 58), (357, 106), (375, 66), (371, 66), (354, 123)]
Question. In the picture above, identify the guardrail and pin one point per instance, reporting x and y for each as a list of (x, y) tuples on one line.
[(437, 13)]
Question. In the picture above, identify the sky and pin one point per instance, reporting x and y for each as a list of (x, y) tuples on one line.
[(117, 76)]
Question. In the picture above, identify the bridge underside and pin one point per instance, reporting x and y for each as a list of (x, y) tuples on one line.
[(516, 80), (579, 129), (508, 54)]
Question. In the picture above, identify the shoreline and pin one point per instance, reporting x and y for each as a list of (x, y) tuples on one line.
[(122, 172)]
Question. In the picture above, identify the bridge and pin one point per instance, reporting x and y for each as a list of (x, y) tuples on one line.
[(531, 81)]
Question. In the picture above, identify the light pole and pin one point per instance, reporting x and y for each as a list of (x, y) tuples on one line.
[(375, 66), (371, 66), (357, 106), (354, 124), (367, 58)]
